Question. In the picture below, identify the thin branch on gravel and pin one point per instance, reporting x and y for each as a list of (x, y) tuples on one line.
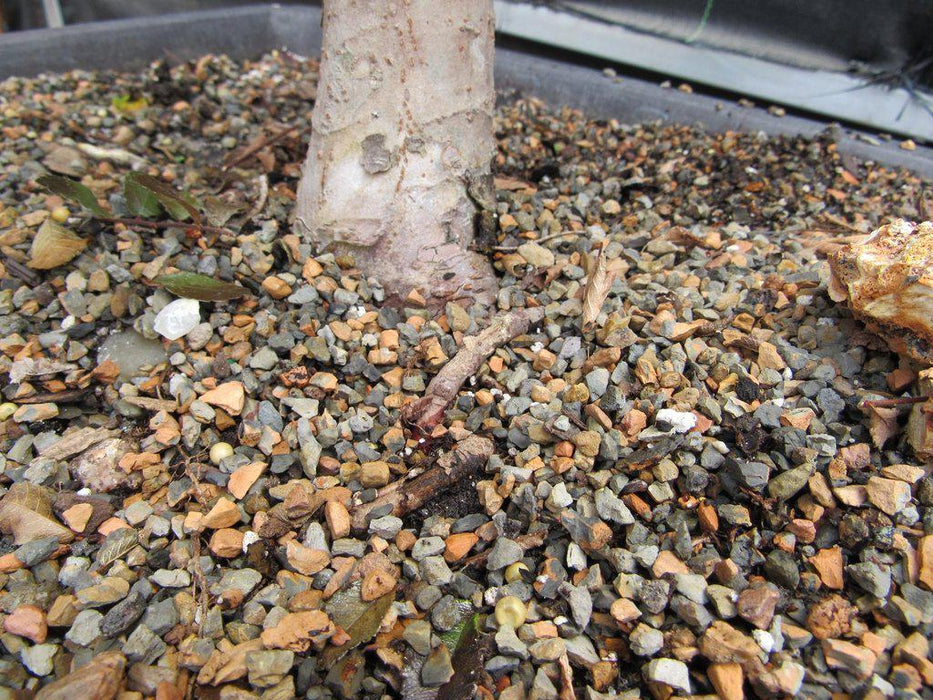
[(156, 225), (892, 403), (24, 273), (466, 458), (262, 143), (66, 396), (428, 411)]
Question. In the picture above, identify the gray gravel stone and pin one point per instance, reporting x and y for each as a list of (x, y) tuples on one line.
[(670, 672), (503, 553), (871, 578), (645, 640), (508, 643), (437, 668), (85, 629)]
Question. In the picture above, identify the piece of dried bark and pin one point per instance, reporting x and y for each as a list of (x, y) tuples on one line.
[(428, 411), (74, 442)]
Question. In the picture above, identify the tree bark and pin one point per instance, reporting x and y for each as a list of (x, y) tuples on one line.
[(398, 166)]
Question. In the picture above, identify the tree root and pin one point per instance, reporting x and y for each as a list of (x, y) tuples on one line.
[(405, 495), (426, 413)]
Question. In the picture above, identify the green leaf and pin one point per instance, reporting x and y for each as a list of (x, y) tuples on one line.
[(139, 200), (192, 285), (465, 614), (124, 104), (468, 659), (359, 619), (73, 191), (179, 205)]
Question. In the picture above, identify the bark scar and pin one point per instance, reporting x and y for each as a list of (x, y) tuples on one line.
[(376, 157)]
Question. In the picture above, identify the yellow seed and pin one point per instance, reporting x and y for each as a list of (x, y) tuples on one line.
[(220, 451), (510, 612), (513, 572), (60, 214), (6, 410)]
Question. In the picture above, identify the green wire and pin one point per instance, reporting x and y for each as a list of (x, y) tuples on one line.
[(702, 25)]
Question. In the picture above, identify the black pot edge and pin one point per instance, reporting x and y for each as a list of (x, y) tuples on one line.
[(247, 32)]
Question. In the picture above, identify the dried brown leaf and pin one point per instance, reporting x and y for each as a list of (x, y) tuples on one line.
[(54, 245), (882, 425), (597, 289), (224, 667), (117, 545), (26, 513)]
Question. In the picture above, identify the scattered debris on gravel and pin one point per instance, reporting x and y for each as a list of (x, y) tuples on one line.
[(688, 471)]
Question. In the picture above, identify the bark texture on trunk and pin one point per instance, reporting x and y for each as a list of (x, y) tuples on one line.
[(399, 161)]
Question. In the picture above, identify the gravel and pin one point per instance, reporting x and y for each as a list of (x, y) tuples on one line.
[(702, 499)]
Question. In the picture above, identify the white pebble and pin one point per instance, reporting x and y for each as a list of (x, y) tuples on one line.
[(177, 318), (764, 639)]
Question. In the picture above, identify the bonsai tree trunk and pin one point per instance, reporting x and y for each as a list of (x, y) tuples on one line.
[(398, 168)]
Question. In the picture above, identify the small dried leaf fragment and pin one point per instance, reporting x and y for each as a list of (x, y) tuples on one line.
[(26, 513), (118, 544), (219, 210), (299, 630), (597, 289), (54, 245), (65, 160), (882, 425)]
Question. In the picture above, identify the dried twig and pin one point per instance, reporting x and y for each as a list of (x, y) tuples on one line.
[(894, 402), (155, 225), (428, 411), (28, 276), (406, 495), (66, 396), (261, 143)]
